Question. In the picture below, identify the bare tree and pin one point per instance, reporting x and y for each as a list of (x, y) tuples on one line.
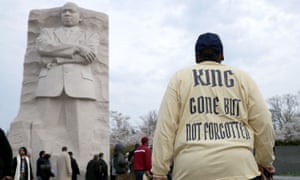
[(283, 109), (276, 110), (291, 104), (121, 129), (149, 123)]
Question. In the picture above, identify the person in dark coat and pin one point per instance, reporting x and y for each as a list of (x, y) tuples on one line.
[(45, 168), (74, 165), (120, 163), (39, 162), (5, 157), (93, 169), (103, 167)]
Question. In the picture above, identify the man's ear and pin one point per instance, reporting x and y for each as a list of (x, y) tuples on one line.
[(221, 56), (197, 58)]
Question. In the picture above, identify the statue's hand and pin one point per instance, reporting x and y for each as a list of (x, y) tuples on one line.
[(88, 55)]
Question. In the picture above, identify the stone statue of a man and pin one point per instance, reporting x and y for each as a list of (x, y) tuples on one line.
[(66, 86), (64, 99), (68, 53)]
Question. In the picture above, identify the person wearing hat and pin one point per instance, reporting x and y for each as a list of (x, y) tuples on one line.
[(211, 120), (142, 160)]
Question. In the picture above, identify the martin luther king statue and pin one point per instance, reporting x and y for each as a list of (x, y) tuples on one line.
[(64, 98)]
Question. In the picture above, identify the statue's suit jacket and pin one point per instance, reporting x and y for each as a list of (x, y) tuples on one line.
[(68, 74)]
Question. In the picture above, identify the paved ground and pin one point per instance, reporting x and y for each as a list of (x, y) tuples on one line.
[(287, 160), (286, 177)]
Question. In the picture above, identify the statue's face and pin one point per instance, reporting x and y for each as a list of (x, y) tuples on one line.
[(70, 16)]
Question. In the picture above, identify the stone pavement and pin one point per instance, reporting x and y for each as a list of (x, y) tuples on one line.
[(286, 177)]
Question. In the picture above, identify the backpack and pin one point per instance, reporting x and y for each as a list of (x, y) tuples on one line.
[(120, 164), (102, 168)]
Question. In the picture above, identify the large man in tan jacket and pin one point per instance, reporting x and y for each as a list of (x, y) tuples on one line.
[(211, 120)]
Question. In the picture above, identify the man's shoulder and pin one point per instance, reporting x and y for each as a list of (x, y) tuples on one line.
[(90, 34), (48, 29), (210, 65), (40, 160), (63, 154), (148, 149), (102, 162), (144, 148)]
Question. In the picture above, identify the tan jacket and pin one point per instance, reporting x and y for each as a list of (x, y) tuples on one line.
[(64, 168), (211, 118)]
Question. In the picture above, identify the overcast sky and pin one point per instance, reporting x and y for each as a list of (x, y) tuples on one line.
[(150, 40)]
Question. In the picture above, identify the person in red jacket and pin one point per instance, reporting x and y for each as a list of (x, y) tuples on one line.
[(142, 160)]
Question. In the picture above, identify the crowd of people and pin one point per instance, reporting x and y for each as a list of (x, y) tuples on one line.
[(67, 167), (133, 165), (20, 166)]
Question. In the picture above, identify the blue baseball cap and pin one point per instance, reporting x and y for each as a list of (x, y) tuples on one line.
[(209, 41)]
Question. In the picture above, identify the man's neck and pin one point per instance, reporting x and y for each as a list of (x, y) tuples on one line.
[(72, 28)]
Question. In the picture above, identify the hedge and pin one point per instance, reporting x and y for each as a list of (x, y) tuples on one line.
[(287, 142)]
